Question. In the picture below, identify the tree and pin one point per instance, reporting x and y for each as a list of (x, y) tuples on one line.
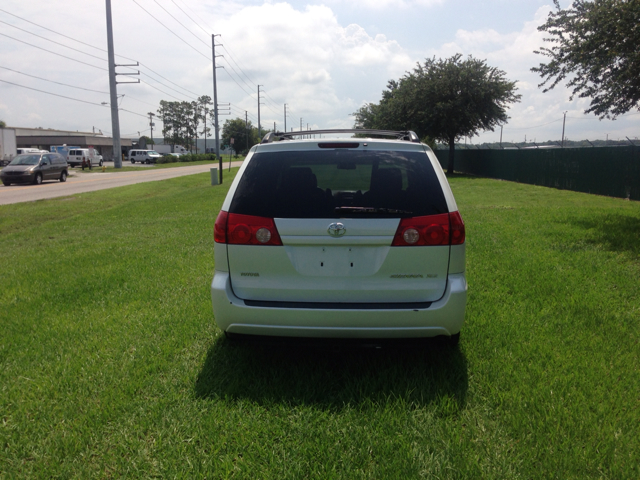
[(595, 46), (205, 102), (3, 124), (244, 136), (444, 100)]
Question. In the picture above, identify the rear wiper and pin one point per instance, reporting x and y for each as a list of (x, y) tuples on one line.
[(371, 210)]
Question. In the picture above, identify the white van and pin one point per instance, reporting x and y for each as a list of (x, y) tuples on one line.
[(144, 156), (77, 156), (22, 151)]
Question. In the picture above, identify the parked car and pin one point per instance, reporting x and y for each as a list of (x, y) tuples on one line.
[(23, 150), (144, 156), (345, 237), (79, 156), (35, 168)]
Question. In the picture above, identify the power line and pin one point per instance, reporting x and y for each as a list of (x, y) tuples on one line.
[(164, 78), (49, 51), (53, 81), (172, 32), (241, 87), (54, 94), (168, 13), (97, 48), (234, 71), (207, 33), (161, 91), (74, 86), (227, 50), (138, 100), (232, 54), (53, 31), (536, 126), (53, 41), (147, 75), (134, 113), (70, 98), (239, 68)]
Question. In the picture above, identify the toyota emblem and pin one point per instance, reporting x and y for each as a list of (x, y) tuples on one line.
[(336, 229)]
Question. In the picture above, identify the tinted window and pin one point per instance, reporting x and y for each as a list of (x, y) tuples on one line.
[(339, 184)]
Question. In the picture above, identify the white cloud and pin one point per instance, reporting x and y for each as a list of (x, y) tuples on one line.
[(322, 62), (538, 115)]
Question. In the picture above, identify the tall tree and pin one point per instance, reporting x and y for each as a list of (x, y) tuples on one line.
[(444, 100), (205, 104), (595, 46), (242, 134)]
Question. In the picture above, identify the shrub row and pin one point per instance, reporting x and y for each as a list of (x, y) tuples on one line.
[(191, 157)]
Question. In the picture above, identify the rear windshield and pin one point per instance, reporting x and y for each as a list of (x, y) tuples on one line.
[(339, 184)]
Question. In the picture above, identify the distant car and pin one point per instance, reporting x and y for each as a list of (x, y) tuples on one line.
[(348, 237), (77, 156), (35, 168), (144, 156), (22, 150)]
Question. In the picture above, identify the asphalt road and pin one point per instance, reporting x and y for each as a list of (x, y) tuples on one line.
[(81, 182)]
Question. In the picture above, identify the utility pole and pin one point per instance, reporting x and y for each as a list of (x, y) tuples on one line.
[(285, 117), (301, 126), (246, 127), (259, 128), (115, 120), (501, 135), (151, 124), (274, 127), (563, 121), (215, 106)]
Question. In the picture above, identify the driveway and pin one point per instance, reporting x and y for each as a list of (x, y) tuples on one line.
[(81, 182)]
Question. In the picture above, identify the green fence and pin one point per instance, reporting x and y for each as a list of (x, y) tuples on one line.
[(611, 171)]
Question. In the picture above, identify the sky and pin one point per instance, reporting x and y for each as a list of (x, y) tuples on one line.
[(323, 59)]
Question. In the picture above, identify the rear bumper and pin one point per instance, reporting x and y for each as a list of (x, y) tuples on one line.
[(443, 317)]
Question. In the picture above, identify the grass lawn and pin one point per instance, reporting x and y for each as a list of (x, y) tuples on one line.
[(111, 365)]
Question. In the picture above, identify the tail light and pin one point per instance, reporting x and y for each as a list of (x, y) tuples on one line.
[(443, 229), (236, 229)]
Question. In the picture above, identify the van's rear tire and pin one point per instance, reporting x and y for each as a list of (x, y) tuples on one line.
[(63, 176), (133, 161), (100, 164), (38, 179)]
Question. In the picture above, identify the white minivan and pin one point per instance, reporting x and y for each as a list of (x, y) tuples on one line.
[(144, 156), (340, 237)]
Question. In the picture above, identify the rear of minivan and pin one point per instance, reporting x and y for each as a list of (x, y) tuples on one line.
[(352, 238)]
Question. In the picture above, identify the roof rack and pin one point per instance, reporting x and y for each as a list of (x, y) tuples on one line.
[(407, 135)]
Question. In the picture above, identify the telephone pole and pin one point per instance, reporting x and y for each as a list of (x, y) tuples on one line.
[(285, 117), (115, 120), (259, 129), (246, 128), (151, 124), (215, 106), (563, 120)]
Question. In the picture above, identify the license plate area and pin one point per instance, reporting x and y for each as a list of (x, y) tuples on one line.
[(337, 261)]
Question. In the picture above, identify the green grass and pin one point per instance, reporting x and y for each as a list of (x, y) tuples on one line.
[(111, 365), (133, 168)]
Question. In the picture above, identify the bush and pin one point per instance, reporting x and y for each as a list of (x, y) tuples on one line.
[(187, 158)]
